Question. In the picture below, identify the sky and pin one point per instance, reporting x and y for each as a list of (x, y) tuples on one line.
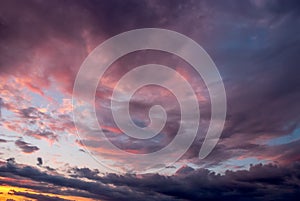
[(255, 45)]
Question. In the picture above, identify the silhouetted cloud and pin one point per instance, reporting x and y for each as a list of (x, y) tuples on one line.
[(39, 161), (260, 182), (39, 197), (26, 147), (2, 140)]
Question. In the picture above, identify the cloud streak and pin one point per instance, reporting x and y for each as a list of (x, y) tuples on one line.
[(26, 147)]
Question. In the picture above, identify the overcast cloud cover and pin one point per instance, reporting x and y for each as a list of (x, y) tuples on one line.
[(255, 44)]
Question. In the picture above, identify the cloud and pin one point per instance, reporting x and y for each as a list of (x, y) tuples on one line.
[(262, 82), (39, 161), (11, 161), (39, 197), (260, 182), (42, 134), (255, 45), (2, 140), (31, 113), (1, 105), (84, 173), (26, 147)]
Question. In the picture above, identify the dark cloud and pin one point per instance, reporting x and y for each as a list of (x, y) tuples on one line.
[(260, 182), (257, 54), (39, 197), (184, 170), (255, 44), (10, 161), (26, 147), (95, 189), (84, 173), (189, 184), (42, 134), (39, 161), (2, 140)]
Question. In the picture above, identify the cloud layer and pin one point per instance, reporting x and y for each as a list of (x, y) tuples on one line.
[(255, 45), (260, 182)]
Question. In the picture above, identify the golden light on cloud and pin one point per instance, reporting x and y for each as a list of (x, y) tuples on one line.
[(8, 192)]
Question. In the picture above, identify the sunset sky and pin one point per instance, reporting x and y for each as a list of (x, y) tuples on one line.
[(43, 156)]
